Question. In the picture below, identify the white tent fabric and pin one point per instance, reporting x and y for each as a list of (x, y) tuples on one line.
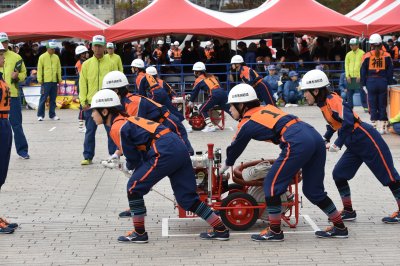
[(381, 13), (78, 9), (370, 8)]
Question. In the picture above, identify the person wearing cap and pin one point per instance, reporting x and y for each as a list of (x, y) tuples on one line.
[(291, 93), (49, 75), (393, 50), (14, 71), (376, 74), (363, 144), (113, 56), (272, 79), (352, 66), (81, 54), (5, 137), (90, 80), (152, 152), (302, 147)]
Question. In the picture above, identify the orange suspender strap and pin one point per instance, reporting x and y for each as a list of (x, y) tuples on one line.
[(147, 125), (268, 116), (288, 124), (153, 84), (211, 82), (5, 99)]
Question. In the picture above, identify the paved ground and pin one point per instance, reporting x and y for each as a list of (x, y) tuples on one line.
[(69, 213)]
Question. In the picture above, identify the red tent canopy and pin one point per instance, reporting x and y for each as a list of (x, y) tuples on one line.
[(41, 19), (166, 17), (367, 4), (366, 9), (77, 8), (385, 20), (301, 16)]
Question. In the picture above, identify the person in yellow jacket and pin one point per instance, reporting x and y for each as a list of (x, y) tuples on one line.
[(48, 75), (395, 124), (90, 81), (353, 61), (114, 57), (14, 71)]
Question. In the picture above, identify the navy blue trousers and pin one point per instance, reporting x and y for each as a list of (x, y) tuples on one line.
[(5, 148)]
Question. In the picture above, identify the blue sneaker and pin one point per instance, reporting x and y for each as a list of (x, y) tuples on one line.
[(8, 224), (215, 234), (125, 214), (394, 219), (4, 229), (133, 237), (348, 216), (333, 232), (268, 235)]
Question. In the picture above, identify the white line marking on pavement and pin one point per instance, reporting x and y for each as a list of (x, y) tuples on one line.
[(311, 222), (51, 129), (164, 227)]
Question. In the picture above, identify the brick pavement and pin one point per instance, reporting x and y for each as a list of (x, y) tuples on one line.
[(68, 213)]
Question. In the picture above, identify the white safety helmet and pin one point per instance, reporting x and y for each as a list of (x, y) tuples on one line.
[(105, 99), (80, 49), (199, 66), (151, 71), (314, 79), (160, 42), (139, 63), (375, 39), (237, 59), (208, 43), (176, 43), (242, 93), (114, 79)]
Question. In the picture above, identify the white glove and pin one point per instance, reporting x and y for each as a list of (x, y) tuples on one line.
[(190, 104), (280, 83), (123, 167), (276, 97), (187, 97), (365, 89), (113, 157), (333, 148), (224, 169)]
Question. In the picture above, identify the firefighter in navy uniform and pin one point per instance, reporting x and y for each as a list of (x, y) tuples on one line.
[(138, 71), (5, 139), (376, 74), (217, 96), (251, 77), (364, 144), (152, 152), (302, 148)]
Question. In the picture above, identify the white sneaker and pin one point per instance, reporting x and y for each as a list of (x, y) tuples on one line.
[(288, 105), (295, 105), (40, 118), (55, 118), (82, 130), (209, 129)]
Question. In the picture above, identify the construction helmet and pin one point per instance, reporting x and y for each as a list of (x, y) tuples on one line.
[(237, 59), (242, 93), (151, 71), (114, 79), (208, 43), (199, 66), (137, 63), (160, 42), (80, 49), (105, 99), (314, 79), (176, 43), (375, 39)]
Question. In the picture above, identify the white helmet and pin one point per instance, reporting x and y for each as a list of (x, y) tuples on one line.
[(176, 43), (237, 59), (160, 42), (375, 39), (80, 49), (314, 79), (242, 93), (137, 63), (151, 70), (208, 43), (114, 79), (105, 99), (199, 66)]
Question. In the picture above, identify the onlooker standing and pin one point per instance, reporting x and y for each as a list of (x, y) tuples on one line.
[(344, 91), (376, 75), (114, 57), (81, 54), (393, 50), (353, 61), (14, 71), (49, 74), (90, 81)]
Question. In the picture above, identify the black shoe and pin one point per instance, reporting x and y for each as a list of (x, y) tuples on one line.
[(333, 232), (394, 219), (268, 235), (215, 234), (125, 214), (348, 216), (8, 224), (133, 237)]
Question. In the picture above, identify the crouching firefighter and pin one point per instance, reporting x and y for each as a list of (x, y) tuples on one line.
[(152, 151), (302, 148)]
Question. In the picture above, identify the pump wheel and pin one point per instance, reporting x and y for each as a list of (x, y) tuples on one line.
[(197, 122), (239, 219)]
